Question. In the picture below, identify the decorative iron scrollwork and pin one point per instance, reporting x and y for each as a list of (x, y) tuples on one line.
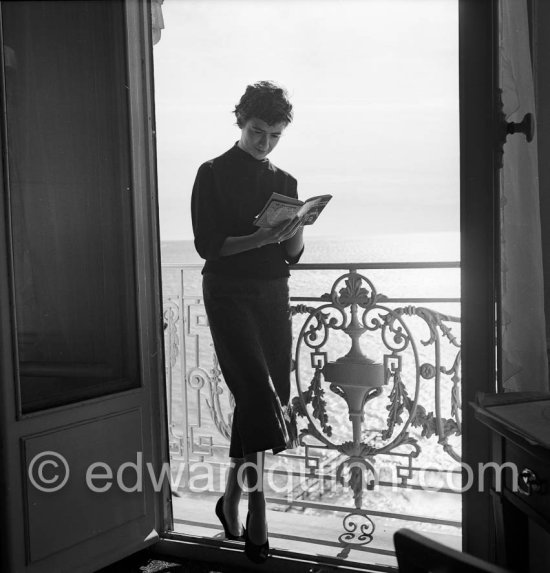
[(359, 529), (354, 307), (370, 383), (171, 319), (198, 378)]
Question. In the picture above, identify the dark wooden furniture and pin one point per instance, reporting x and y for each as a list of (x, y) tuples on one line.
[(521, 502), (418, 554)]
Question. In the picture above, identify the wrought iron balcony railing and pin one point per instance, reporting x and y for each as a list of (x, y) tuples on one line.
[(377, 387)]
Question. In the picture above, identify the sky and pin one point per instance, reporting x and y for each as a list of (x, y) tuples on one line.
[(374, 84)]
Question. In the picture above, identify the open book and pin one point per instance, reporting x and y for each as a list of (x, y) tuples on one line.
[(280, 208)]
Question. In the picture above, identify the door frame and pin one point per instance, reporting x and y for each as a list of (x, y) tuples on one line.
[(478, 42), (479, 226), (144, 171)]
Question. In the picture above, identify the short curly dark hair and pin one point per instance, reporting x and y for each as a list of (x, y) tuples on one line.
[(264, 100)]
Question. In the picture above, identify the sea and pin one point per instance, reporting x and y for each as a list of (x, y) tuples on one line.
[(394, 247), (385, 248)]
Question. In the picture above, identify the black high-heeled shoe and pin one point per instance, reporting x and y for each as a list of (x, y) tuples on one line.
[(256, 553), (221, 517)]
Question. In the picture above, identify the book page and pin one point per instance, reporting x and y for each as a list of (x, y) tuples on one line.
[(279, 212), (312, 208), (281, 208)]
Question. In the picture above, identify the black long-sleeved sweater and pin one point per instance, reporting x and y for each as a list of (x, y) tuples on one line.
[(229, 191)]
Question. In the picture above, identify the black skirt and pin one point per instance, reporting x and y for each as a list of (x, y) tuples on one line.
[(251, 329)]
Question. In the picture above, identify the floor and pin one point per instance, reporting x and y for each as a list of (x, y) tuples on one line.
[(144, 562), (306, 533)]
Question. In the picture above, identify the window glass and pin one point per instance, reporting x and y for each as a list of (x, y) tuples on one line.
[(70, 201)]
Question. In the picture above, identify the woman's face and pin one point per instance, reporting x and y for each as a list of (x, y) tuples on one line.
[(258, 138)]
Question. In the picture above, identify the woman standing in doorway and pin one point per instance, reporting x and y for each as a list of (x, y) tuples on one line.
[(245, 286)]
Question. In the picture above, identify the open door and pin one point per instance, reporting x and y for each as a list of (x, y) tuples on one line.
[(504, 77), (81, 336)]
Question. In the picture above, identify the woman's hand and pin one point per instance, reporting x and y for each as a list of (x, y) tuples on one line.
[(262, 237), (278, 234)]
